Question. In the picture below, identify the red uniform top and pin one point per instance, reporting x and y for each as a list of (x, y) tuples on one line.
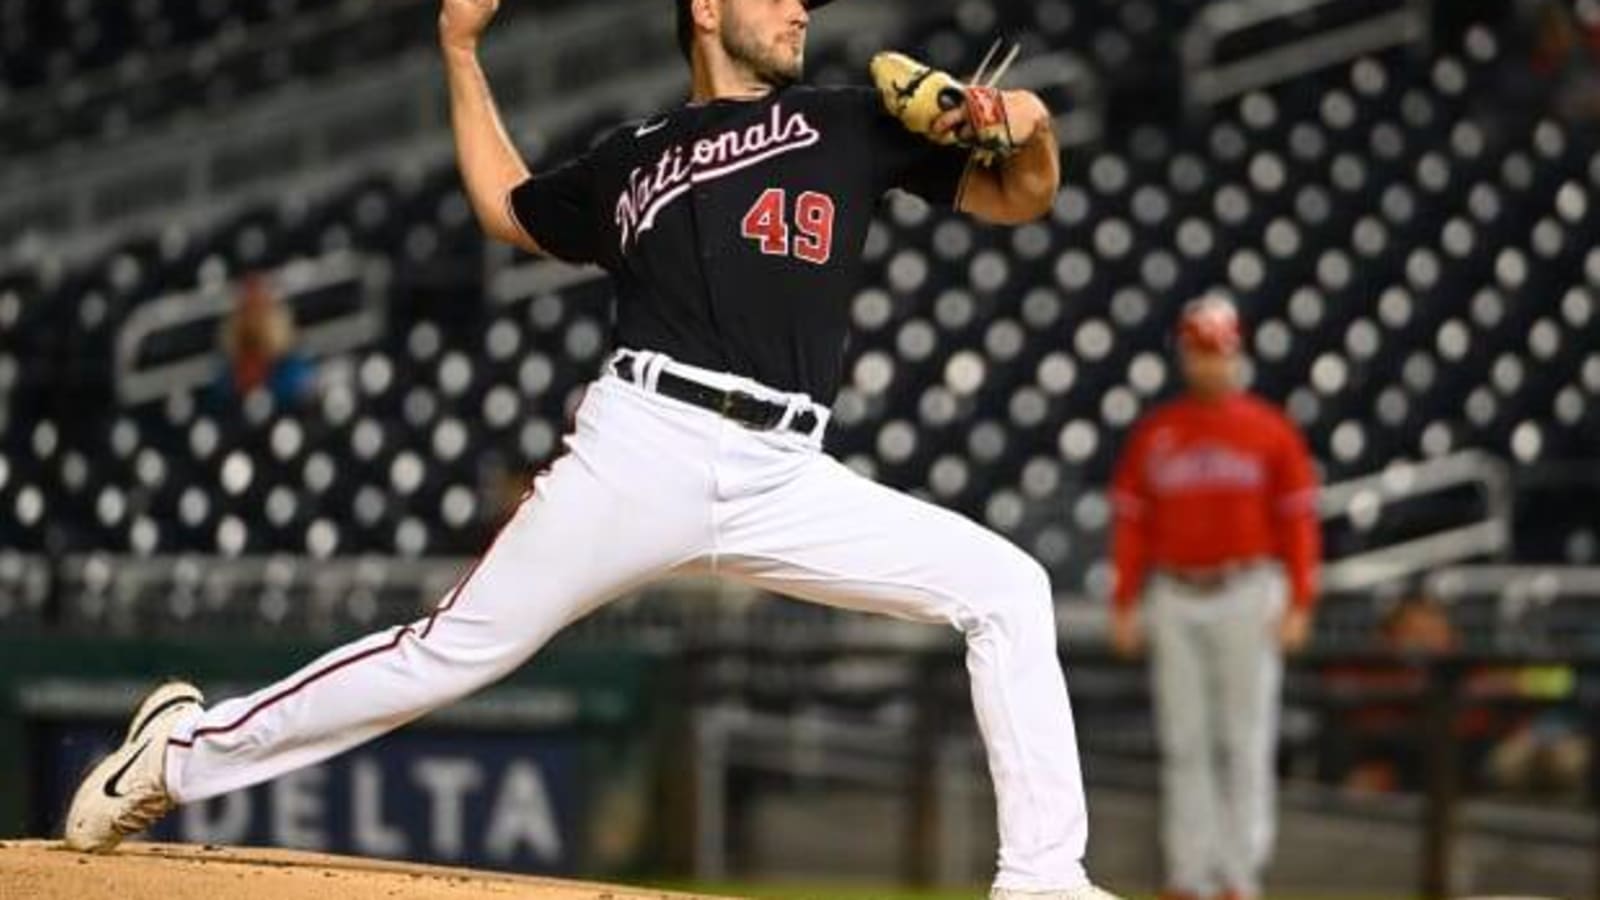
[(1202, 484)]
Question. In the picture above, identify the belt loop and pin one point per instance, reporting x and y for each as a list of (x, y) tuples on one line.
[(803, 403), (650, 371), (618, 357), (791, 408), (823, 414)]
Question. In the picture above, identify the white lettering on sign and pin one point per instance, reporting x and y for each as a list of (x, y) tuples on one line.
[(220, 820), (523, 816), (447, 781), (520, 813), (297, 810), (368, 831)]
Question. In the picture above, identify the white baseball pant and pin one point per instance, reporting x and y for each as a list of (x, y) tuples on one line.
[(1217, 671), (650, 486)]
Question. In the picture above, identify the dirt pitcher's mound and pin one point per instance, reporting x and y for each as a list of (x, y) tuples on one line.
[(43, 870)]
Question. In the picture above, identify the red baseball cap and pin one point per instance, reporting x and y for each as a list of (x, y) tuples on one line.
[(1210, 322)]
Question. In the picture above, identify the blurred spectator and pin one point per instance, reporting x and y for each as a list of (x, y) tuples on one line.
[(258, 340), (1377, 746), (1548, 754), (1419, 625), (1566, 50), (1215, 493), (1543, 751)]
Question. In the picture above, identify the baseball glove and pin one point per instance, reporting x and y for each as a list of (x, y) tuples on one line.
[(918, 94)]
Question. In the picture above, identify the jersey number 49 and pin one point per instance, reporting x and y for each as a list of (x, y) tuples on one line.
[(767, 224)]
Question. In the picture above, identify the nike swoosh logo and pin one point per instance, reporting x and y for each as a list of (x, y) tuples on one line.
[(111, 783), (649, 128), (151, 717)]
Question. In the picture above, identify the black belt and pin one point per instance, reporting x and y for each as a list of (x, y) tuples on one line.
[(747, 409)]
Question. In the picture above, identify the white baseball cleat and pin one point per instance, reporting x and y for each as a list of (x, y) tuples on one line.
[(127, 792), (1083, 892)]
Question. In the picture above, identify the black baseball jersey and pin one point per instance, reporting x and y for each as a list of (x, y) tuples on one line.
[(733, 230)]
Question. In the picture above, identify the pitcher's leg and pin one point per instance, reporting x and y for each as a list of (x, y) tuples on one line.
[(573, 544), (1181, 697), (833, 537)]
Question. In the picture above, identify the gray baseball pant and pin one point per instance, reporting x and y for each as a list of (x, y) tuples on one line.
[(1217, 670)]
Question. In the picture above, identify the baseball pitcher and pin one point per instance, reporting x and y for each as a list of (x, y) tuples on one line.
[(732, 226), (1215, 502)]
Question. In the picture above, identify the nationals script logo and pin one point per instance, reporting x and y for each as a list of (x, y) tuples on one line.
[(682, 166)]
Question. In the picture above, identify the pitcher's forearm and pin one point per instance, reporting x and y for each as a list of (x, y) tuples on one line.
[(489, 161), (1022, 187), (1031, 178)]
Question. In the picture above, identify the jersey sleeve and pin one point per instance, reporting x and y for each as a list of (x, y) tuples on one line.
[(1294, 484), (909, 161), (557, 208)]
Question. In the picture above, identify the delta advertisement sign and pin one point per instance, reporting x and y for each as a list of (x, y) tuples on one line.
[(502, 801)]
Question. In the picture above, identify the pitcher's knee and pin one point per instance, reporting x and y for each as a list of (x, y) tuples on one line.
[(461, 661), (1013, 591), (1031, 577)]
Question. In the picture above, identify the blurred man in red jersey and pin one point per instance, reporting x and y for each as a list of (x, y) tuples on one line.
[(1216, 530)]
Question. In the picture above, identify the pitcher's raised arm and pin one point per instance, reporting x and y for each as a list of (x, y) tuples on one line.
[(490, 164)]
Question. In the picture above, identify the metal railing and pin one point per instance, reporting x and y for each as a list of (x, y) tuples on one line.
[(172, 70), (386, 117), (1452, 559), (1321, 33), (1542, 582), (1366, 496), (390, 118), (359, 320), (910, 755)]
